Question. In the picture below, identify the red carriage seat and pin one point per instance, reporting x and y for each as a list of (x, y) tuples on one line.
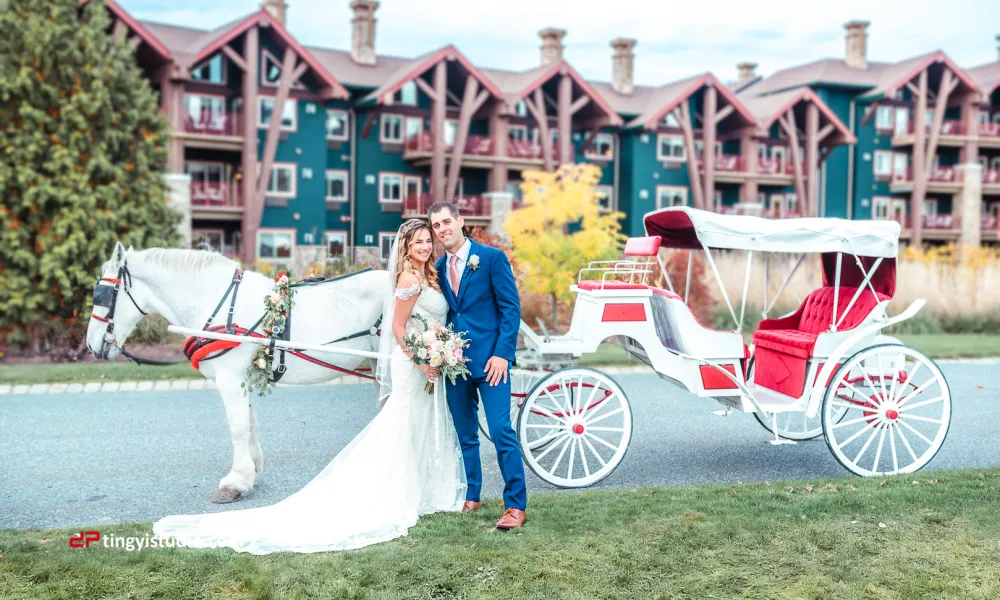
[(784, 345)]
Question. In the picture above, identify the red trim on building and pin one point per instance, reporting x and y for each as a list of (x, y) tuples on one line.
[(449, 51), (564, 67), (140, 30), (616, 313), (653, 123), (712, 379), (806, 94), (263, 17), (938, 56)]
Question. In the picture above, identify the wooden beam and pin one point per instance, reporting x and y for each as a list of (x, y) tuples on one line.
[(945, 90), (710, 101), (913, 89), (462, 135), (438, 113), (550, 101), (274, 129), (825, 132), (788, 123), (578, 104), (299, 71), (684, 118), (500, 133), (565, 119), (120, 29), (589, 140), (722, 114), (919, 154), (748, 144), (426, 88), (251, 222), (537, 110), (234, 58), (366, 129), (452, 96), (869, 112), (825, 152), (812, 160), (480, 100)]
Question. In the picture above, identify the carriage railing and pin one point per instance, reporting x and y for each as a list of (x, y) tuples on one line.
[(611, 270)]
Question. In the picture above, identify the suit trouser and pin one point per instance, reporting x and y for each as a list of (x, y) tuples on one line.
[(464, 403)]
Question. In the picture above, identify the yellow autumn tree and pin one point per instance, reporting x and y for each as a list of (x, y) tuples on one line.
[(560, 229)]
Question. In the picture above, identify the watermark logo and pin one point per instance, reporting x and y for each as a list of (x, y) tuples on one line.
[(84, 539)]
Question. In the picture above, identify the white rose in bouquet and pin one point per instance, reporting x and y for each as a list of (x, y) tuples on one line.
[(451, 361), (422, 353), (436, 361), (428, 336), (449, 345)]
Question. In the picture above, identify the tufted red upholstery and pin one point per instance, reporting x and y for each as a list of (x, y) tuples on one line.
[(593, 285), (788, 342)]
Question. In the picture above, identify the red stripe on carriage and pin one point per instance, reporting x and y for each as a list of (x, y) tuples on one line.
[(712, 379), (614, 313)]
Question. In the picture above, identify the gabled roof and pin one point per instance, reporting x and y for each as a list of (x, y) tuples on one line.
[(262, 17), (669, 97), (768, 109), (139, 29), (829, 71), (987, 77), (412, 69), (897, 75), (517, 86)]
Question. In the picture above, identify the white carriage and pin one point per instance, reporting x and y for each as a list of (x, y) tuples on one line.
[(824, 369)]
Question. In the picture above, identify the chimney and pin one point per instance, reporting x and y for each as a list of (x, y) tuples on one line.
[(856, 55), (277, 8), (747, 72), (552, 46), (363, 31), (622, 62)]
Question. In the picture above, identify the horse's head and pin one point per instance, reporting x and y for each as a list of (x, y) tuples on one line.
[(116, 308)]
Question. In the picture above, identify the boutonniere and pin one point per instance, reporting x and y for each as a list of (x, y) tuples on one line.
[(473, 262)]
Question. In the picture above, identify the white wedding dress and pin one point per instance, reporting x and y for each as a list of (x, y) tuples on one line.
[(405, 463)]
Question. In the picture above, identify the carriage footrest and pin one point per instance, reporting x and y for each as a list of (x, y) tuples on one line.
[(772, 401)]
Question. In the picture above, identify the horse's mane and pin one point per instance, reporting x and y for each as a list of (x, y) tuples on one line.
[(184, 259)]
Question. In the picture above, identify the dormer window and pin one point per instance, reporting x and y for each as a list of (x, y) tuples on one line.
[(211, 71)]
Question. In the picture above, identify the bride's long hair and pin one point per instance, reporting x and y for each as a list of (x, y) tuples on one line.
[(407, 232)]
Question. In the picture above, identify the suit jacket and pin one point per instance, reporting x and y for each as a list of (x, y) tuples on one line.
[(486, 306)]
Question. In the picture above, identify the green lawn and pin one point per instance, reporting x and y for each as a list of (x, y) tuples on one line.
[(935, 345), (929, 535)]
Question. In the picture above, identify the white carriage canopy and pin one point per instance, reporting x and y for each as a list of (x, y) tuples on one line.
[(692, 228)]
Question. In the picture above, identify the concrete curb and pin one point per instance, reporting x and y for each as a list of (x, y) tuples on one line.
[(177, 385)]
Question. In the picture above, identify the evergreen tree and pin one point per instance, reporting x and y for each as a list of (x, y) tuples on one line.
[(84, 150)]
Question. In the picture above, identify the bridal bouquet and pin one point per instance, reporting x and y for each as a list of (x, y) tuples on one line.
[(440, 347)]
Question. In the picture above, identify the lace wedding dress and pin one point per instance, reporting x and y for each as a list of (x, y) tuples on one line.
[(405, 463)]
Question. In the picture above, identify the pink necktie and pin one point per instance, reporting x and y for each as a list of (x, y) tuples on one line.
[(455, 276)]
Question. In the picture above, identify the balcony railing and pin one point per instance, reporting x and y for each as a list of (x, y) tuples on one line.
[(937, 174), (935, 222), (988, 222), (760, 211), (215, 195), (469, 206), (479, 145), (948, 127), (991, 176), (214, 123), (989, 129), (732, 163)]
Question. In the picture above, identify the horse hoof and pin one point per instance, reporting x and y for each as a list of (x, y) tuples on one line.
[(225, 496)]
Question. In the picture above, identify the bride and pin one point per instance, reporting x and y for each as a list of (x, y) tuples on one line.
[(405, 463)]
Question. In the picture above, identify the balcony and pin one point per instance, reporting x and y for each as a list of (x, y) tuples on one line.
[(471, 207), (221, 130), (953, 133), (480, 152), (216, 201), (991, 181), (941, 179), (758, 210), (733, 168)]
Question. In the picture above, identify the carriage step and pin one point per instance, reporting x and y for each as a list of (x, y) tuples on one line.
[(775, 402)]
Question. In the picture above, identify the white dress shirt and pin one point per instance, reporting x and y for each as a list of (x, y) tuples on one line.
[(463, 257)]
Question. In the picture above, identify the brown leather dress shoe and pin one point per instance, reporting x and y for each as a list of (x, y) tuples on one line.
[(471, 506), (511, 519)]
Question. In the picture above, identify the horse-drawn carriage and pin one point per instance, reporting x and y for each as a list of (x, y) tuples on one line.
[(824, 369)]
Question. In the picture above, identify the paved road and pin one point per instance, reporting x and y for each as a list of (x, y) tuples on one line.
[(110, 458)]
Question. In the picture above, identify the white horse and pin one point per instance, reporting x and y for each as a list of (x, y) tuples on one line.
[(185, 286)]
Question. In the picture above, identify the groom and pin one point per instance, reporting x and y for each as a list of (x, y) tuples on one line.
[(478, 284)]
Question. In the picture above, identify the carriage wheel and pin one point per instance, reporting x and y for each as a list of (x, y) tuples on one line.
[(792, 425), (897, 411), (521, 382), (574, 428)]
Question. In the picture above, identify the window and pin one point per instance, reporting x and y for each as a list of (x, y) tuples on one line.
[(450, 132), (775, 203), (282, 180), (670, 147), (385, 241), (211, 71), (336, 186), (605, 193), (518, 132), (522, 109), (670, 120), (204, 172), (670, 195), (602, 147), (930, 207), (392, 129), (414, 127), (270, 71), (213, 238), (412, 187), (883, 118), (899, 210), (900, 164), (336, 125), (275, 244), (289, 113), (336, 242), (791, 203), (883, 163), (390, 188), (902, 121), (778, 154), (880, 207), (204, 110), (408, 93)]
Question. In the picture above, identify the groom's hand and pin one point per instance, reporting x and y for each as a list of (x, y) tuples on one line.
[(496, 370)]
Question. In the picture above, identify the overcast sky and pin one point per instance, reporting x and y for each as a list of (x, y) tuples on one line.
[(676, 38)]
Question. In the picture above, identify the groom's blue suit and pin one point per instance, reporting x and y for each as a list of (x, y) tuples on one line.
[(487, 307)]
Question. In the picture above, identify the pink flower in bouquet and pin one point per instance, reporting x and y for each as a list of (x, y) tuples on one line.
[(457, 353), (275, 299), (283, 279)]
